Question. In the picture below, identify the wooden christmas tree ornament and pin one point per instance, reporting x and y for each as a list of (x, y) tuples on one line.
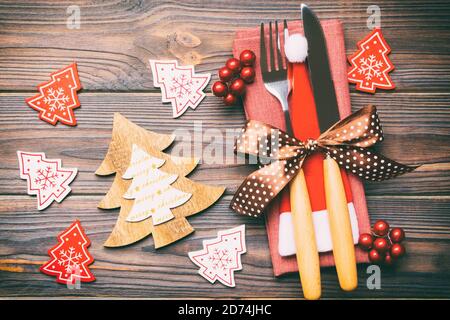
[(158, 202), (125, 134), (118, 158)]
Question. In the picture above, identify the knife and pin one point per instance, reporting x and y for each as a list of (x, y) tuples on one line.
[(328, 114)]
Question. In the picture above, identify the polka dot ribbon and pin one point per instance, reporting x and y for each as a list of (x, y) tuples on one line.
[(280, 156)]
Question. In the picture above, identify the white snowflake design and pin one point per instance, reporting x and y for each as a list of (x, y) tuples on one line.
[(220, 259), (181, 86), (56, 99), (370, 67), (46, 178), (69, 259)]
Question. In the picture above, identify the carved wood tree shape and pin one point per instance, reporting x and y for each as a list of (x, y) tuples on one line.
[(117, 160), (125, 134)]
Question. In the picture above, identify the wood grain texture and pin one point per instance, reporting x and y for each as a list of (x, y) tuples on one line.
[(112, 49), (116, 39)]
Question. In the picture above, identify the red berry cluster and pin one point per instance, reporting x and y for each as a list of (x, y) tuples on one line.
[(384, 244), (234, 76)]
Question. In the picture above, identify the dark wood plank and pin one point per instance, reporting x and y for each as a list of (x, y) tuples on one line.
[(116, 39), (141, 271)]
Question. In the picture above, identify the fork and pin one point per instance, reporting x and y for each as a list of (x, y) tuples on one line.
[(276, 82), (275, 79)]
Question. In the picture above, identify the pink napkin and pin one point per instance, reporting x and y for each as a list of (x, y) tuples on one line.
[(260, 105)]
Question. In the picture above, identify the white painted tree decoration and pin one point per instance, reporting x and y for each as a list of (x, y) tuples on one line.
[(151, 189)]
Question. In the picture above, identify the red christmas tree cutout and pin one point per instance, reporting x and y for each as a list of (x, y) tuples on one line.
[(46, 177), (370, 65), (58, 97), (70, 258), (221, 256)]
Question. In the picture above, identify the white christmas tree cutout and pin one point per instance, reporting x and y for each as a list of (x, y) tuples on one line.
[(151, 189), (221, 257), (46, 177), (180, 85)]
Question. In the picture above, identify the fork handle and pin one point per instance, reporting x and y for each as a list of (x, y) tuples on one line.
[(305, 239)]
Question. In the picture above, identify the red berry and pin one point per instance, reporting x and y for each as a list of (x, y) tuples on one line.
[(230, 99), (381, 228), (234, 65), (397, 250), (225, 74), (397, 235), (381, 245), (388, 260), (237, 87), (365, 241), (248, 74), (247, 57), (375, 256), (220, 89)]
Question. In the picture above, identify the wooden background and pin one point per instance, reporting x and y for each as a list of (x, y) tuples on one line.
[(112, 49)]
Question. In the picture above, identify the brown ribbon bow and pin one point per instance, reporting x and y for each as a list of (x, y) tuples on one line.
[(347, 142)]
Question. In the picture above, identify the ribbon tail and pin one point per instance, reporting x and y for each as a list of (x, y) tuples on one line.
[(366, 163)]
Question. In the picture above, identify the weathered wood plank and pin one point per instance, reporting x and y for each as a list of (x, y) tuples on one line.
[(416, 127), (141, 271), (127, 34)]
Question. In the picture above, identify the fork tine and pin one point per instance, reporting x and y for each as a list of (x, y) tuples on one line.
[(285, 27), (272, 52), (262, 51), (285, 37), (279, 57)]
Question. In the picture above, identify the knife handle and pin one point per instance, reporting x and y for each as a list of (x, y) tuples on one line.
[(305, 239), (340, 226)]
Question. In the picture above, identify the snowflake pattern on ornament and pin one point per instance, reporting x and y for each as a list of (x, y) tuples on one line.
[(370, 65), (70, 257), (180, 85), (46, 177), (220, 259), (221, 256), (57, 98)]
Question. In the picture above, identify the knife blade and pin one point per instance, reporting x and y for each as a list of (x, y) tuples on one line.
[(328, 114)]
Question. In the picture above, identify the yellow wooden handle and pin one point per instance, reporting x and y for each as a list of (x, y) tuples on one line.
[(340, 226), (305, 240)]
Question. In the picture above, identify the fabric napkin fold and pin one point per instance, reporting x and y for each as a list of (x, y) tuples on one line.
[(260, 105)]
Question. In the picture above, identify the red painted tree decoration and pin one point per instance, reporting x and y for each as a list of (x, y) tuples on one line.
[(370, 65), (221, 256), (70, 257), (58, 97), (46, 177), (180, 85)]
